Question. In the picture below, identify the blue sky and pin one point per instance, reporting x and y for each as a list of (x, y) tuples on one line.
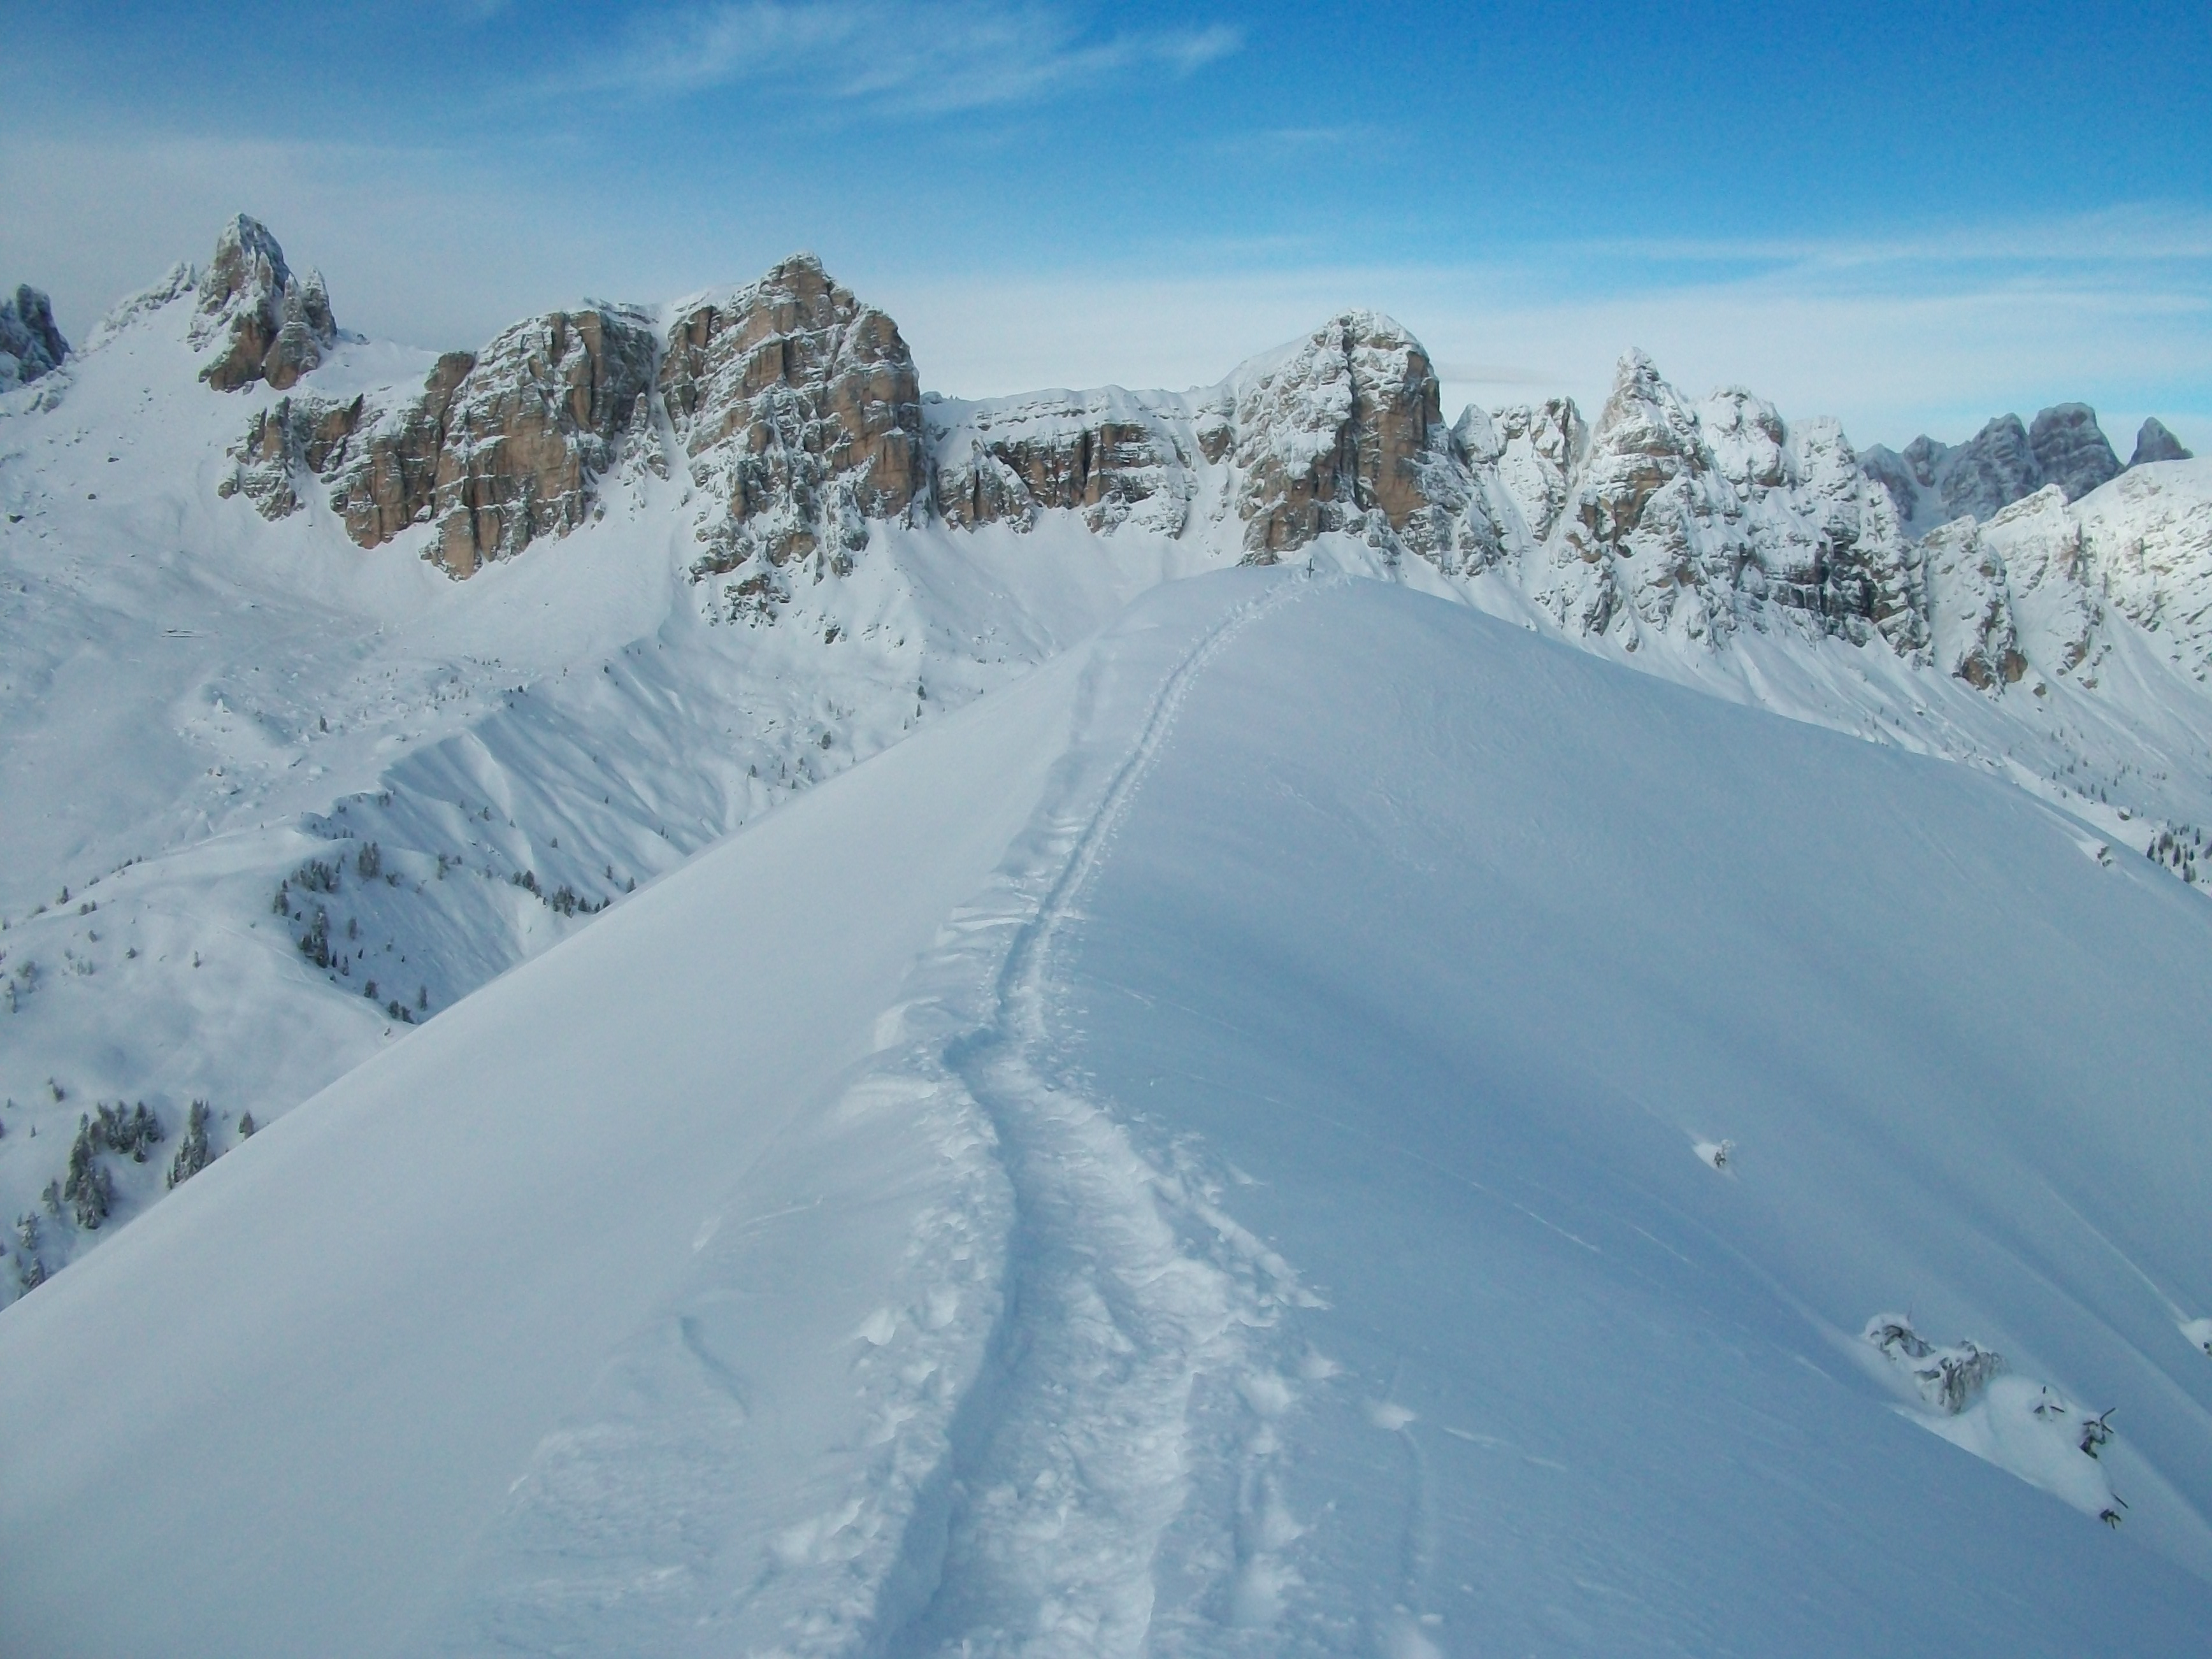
[(1912, 218)]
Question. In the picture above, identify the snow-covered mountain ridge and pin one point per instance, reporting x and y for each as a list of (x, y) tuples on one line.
[(1319, 1122), (300, 787)]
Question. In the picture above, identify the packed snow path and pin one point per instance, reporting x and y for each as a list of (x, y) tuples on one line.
[(877, 1237)]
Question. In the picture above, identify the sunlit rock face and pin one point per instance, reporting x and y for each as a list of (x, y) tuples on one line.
[(1344, 432), (255, 319), (799, 413)]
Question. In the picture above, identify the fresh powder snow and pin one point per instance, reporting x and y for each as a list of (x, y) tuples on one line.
[(1187, 1155)]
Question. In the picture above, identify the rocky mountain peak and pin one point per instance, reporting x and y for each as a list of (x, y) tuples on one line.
[(2071, 450), (30, 344), (799, 411), (261, 322), (2154, 443), (1346, 432)]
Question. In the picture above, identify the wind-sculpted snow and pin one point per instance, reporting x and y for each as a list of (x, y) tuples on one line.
[(1194, 1156)]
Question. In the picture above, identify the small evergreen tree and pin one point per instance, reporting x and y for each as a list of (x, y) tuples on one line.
[(88, 1188), (245, 1125), (192, 1155)]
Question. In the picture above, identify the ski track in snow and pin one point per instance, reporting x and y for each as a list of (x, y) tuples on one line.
[(1058, 1313), (1127, 1291)]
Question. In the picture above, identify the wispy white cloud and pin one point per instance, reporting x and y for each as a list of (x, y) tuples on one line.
[(2130, 232), (925, 57)]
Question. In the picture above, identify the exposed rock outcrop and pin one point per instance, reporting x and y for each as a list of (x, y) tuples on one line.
[(1344, 433), (294, 439), (391, 481), (504, 447), (1116, 457), (1933, 483), (1994, 469), (258, 320), (2071, 450), (799, 413), (2154, 443), (30, 344)]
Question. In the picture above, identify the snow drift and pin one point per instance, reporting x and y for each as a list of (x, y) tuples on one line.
[(1212, 1149)]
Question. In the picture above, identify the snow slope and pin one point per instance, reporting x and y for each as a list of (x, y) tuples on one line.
[(1212, 1149), (271, 794)]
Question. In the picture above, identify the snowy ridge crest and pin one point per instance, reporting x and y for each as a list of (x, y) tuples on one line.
[(1003, 1484)]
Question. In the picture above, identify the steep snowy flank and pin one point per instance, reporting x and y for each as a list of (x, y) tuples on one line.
[(331, 695), (1318, 1123)]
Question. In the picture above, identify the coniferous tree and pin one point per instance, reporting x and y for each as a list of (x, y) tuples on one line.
[(88, 1187), (192, 1156)]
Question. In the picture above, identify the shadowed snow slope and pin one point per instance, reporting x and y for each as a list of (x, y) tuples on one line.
[(1319, 1122)]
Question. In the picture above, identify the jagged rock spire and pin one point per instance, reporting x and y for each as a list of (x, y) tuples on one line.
[(2155, 443), (262, 323), (30, 344)]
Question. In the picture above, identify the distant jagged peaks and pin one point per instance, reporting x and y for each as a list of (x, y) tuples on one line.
[(795, 412), (2154, 443), (262, 323), (1933, 483), (30, 344)]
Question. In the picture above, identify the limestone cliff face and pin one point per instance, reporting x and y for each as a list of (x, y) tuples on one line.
[(292, 441), (530, 426), (391, 480), (1117, 457), (253, 318), (30, 344), (504, 447), (799, 413), (1344, 432)]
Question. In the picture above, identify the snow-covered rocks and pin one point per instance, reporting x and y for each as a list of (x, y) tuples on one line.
[(1691, 520), (30, 344), (1344, 432), (1116, 458), (255, 319), (1528, 453), (799, 411), (1969, 623), (504, 447), (286, 446), (2147, 540)]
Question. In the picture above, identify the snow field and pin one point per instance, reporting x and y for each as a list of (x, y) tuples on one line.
[(1186, 1157)]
